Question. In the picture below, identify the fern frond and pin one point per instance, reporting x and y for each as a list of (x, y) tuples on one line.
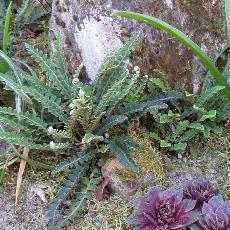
[(75, 161), (109, 123), (188, 135), (22, 139), (63, 193), (62, 83), (59, 134), (31, 145), (79, 204), (121, 148), (22, 13), (114, 97), (38, 13), (208, 94), (126, 86), (14, 123), (224, 112), (60, 58), (14, 136), (111, 68), (155, 103), (141, 107), (48, 101), (26, 117), (59, 146), (12, 85)]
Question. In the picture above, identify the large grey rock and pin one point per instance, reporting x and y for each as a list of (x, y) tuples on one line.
[(89, 33)]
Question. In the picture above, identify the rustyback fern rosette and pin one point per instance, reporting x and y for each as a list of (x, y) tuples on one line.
[(200, 190), (164, 210), (75, 119)]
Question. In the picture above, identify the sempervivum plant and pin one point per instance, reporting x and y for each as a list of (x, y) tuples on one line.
[(164, 210), (200, 190), (215, 214)]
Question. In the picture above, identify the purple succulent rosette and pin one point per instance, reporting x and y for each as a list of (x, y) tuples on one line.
[(164, 210), (200, 190), (215, 214)]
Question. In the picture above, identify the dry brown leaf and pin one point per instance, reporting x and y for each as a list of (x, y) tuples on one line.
[(20, 174)]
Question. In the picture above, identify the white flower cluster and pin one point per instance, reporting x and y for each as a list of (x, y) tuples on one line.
[(137, 69), (52, 145), (75, 80), (50, 130)]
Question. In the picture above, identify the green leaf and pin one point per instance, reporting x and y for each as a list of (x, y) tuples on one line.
[(179, 147), (155, 103), (12, 136), (165, 118), (14, 123), (6, 32), (88, 187), (165, 144), (155, 136), (110, 122), (188, 135), (26, 117), (75, 161), (159, 83), (89, 137), (121, 148), (184, 39), (224, 112), (208, 115), (56, 78), (50, 102), (73, 178), (112, 67), (180, 128), (60, 58), (196, 125), (207, 95), (227, 13)]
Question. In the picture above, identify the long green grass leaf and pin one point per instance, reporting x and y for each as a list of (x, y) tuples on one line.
[(3, 65), (227, 13)]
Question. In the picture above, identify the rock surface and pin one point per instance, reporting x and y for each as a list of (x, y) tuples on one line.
[(89, 33)]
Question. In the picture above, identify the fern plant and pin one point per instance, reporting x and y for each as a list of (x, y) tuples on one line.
[(76, 119), (29, 12), (199, 114)]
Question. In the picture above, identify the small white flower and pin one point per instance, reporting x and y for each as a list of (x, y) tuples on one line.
[(52, 145), (136, 69), (50, 130), (106, 135), (81, 94), (75, 80), (72, 105), (72, 111)]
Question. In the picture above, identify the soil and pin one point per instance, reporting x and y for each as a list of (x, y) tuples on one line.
[(28, 214)]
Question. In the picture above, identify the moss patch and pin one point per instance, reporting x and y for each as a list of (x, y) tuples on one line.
[(148, 158)]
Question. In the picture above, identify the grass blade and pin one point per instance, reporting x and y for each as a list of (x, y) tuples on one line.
[(3, 65), (227, 13)]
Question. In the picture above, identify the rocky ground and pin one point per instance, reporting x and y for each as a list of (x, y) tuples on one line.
[(29, 214), (211, 160)]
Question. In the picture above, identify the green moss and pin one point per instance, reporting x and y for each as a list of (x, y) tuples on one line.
[(106, 215), (147, 158)]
